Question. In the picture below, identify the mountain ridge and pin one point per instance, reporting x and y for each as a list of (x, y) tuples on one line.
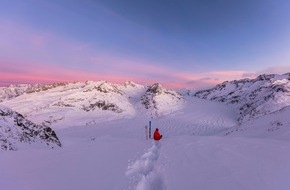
[(94, 102), (91, 101), (252, 98), (17, 131)]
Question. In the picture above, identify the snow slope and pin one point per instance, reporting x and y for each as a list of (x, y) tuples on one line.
[(275, 125), (16, 131), (203, 146), (225, 163), (115, 155)]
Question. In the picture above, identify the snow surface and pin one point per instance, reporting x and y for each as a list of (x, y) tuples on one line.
[(203, 146), (114, 155), (16, 132)]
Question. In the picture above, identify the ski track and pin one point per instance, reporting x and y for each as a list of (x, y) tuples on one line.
[(145, 172)]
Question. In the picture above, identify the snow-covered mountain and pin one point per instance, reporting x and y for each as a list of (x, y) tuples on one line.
[(89, 102), (252, 98), (94, 102), (159, 100), (15, 90), (105, 143), (16, 131)]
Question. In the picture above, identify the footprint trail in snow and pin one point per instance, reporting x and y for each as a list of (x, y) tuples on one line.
[(145, 172)]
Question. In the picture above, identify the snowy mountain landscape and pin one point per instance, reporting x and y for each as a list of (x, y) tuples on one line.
[(263, 102), (91, 135)]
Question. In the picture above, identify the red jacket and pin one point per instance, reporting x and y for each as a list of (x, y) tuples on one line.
[(157, 135)]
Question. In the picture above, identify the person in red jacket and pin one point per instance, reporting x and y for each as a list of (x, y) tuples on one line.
[(157, 135)]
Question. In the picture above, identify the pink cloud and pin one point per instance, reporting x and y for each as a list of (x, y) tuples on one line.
[(35, 72), (42, 75), (206, 79), (144, 73), (39, 40), (32, 56), (279, 69)]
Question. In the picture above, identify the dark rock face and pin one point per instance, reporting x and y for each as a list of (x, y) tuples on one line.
[(16, 129), (252, 98), (44, 87), (108, 87), (130, 84), (149, 99), (103, 106), (155, 89)]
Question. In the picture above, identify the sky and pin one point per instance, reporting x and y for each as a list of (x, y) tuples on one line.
[(178, 43)]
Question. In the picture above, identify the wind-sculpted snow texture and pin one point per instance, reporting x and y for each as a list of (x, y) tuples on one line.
[(146, 171), (15, 131), (252, 98)]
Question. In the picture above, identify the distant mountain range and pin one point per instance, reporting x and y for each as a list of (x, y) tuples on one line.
[(88, 103)]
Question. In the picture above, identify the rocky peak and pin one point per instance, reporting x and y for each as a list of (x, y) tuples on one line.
[(44, 87), (16, 130), (130, 83), (16, 90), (264, 77), (155, 89), (159, 99), (107, 87)]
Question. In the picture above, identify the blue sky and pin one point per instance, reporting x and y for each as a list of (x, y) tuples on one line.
[(193, 44)]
